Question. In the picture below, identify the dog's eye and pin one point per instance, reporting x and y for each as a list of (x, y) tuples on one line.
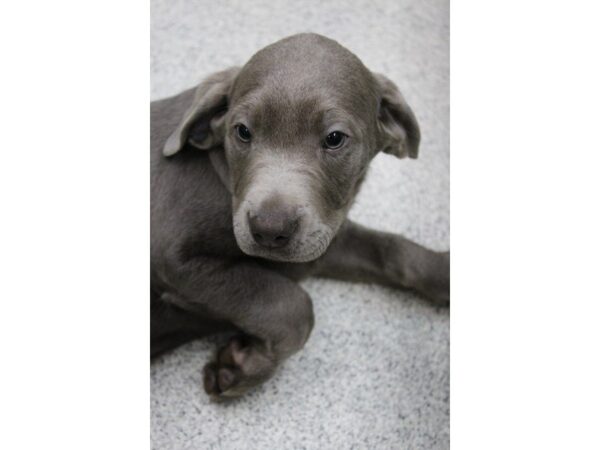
[(243, 133), (335, 140)]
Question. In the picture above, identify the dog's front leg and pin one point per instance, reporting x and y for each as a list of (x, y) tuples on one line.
[(361, 254), (273, 313)]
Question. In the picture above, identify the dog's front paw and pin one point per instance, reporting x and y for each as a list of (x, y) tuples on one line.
[(239, 366)]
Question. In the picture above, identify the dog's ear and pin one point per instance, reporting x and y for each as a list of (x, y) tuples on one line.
[(399, 132), (203, 123)]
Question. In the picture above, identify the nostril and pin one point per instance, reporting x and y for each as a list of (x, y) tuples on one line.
[(281, 238)]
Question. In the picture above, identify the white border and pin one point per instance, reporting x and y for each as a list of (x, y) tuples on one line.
[(525, 224), (74, 187)]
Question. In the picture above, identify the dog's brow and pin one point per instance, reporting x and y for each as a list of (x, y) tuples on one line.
[(338, 117), (246, 103), (243, 108), (243, 113)]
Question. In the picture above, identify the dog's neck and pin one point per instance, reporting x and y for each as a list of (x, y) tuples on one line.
[(219, 162)]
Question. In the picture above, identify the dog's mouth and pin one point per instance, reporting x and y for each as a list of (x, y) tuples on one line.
[(291, 254), (306, 245)]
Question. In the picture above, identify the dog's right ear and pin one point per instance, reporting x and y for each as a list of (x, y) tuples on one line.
[(202, 124)]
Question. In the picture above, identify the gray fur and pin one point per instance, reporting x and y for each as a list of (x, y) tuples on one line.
[(209, 271)]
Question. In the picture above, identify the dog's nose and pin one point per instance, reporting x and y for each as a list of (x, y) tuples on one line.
[(273, 227)]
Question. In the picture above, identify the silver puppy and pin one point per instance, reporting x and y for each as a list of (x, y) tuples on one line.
[(253, 174)]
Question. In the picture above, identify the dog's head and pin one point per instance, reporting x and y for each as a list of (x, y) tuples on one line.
[(298, 124)]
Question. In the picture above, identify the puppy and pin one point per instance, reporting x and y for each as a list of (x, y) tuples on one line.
[(253, 174)]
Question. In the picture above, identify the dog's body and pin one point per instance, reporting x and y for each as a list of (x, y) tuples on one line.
[(234, 227)]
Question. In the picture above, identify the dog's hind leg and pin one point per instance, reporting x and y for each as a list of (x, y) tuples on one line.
[(168, 342), (171, 326)]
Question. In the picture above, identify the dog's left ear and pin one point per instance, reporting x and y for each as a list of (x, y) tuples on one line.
[(203, 123), (399, 132)]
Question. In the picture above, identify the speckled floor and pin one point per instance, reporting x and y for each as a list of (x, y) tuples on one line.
[(375, 372)]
